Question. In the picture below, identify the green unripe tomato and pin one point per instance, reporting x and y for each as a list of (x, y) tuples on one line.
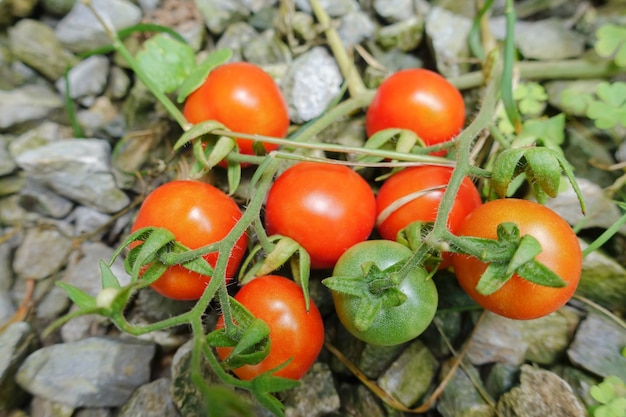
[(392, 325)]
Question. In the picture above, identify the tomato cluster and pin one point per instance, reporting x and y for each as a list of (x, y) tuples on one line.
[(332, 212)]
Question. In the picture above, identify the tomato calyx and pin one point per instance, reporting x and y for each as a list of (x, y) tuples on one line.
[(246, 334), (280, 250), (159, 250), (508, 255), (375, 288), (543, 168)]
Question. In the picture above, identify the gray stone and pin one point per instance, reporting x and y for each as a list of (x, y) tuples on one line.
[(87, 220), (356, 27), (235, 37), (316, 396), (405, 35), (41, 407), (102, 119), (603, 280), (541, 393), (83, 271), (86, 79), (12, 214), (80, 31), (398, 10), (35, 44), (359, 401), (501, 378), (218, 14), (53, 305), (597, 347), (150, 400), (601, 210), (447, 33), (36, 198), (119, 83), (16, 343), (26, 104), (497, 339), (83, 327), (310, 85), (57, 7), (94, 372), (78, 169), (548, 337), (257, 5), (546, 39), (32, 258), (266, 49), (10, 240), (460, 397), (7, 308), (409, 377), (42, 134), (334, 8), (94, 412)]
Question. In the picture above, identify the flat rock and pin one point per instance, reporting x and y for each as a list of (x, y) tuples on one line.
[(94, 372), (28, 103)]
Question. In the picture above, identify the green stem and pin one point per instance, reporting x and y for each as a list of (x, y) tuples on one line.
[(159, 95), (346, 65), (507, 70)]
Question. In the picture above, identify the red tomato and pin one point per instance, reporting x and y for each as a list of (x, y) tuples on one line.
[(419, 100), (326, 208), (245, 99), (197, 214), (295, 333), (424, 208), (519, 298)]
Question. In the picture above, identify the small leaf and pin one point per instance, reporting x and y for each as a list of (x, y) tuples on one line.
[(544, 169), (223, 401), (610, 110), (355, 286), (618, 407), (78, 296), (527, 249), (109, 280), (166, 61), (603, 392), (201, 72), (254, 334), (493, 278), (268, 382), (612, 43), (550, 132), (540, 274), (198, 130), (148, 250), (575, 102), (508, 165), (366, 312)]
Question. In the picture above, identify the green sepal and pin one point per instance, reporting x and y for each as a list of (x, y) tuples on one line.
[(198, 130), (149, 249), (493, 278), (201, 72), (506, 167), (108, 278), (263, 385), (78, 296), (233, 173), (224, 401), (540, 274), (366, 312)]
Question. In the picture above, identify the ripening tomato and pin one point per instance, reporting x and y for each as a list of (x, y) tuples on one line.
[(294, 333), (392, 325), (412, 181), (519, 298), (198, 214), (326, 208), (419, 100), (245, 99)]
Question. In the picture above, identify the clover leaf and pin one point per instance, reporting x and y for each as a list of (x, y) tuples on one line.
[(610, 109), (612, 43)]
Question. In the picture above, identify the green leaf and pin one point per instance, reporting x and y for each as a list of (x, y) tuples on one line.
[(527, 249), (222, 401), (540, 274), (201, 72), (532, 98), (355, 286), (610, 110), (602, 392), (612, 43), (507, 166), (618, 407), (109, 280), (148, 250), (78, 296), (198, 130), (166, 61), (575, 102), (493, 278), (550, 132), (544, 169)]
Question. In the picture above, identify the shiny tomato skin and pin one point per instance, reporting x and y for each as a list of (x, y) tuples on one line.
[(391, 325), (326, 208), (294, 333), (519, 298), (420, 100), (424, 208), (198, 214), (245, 99)]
